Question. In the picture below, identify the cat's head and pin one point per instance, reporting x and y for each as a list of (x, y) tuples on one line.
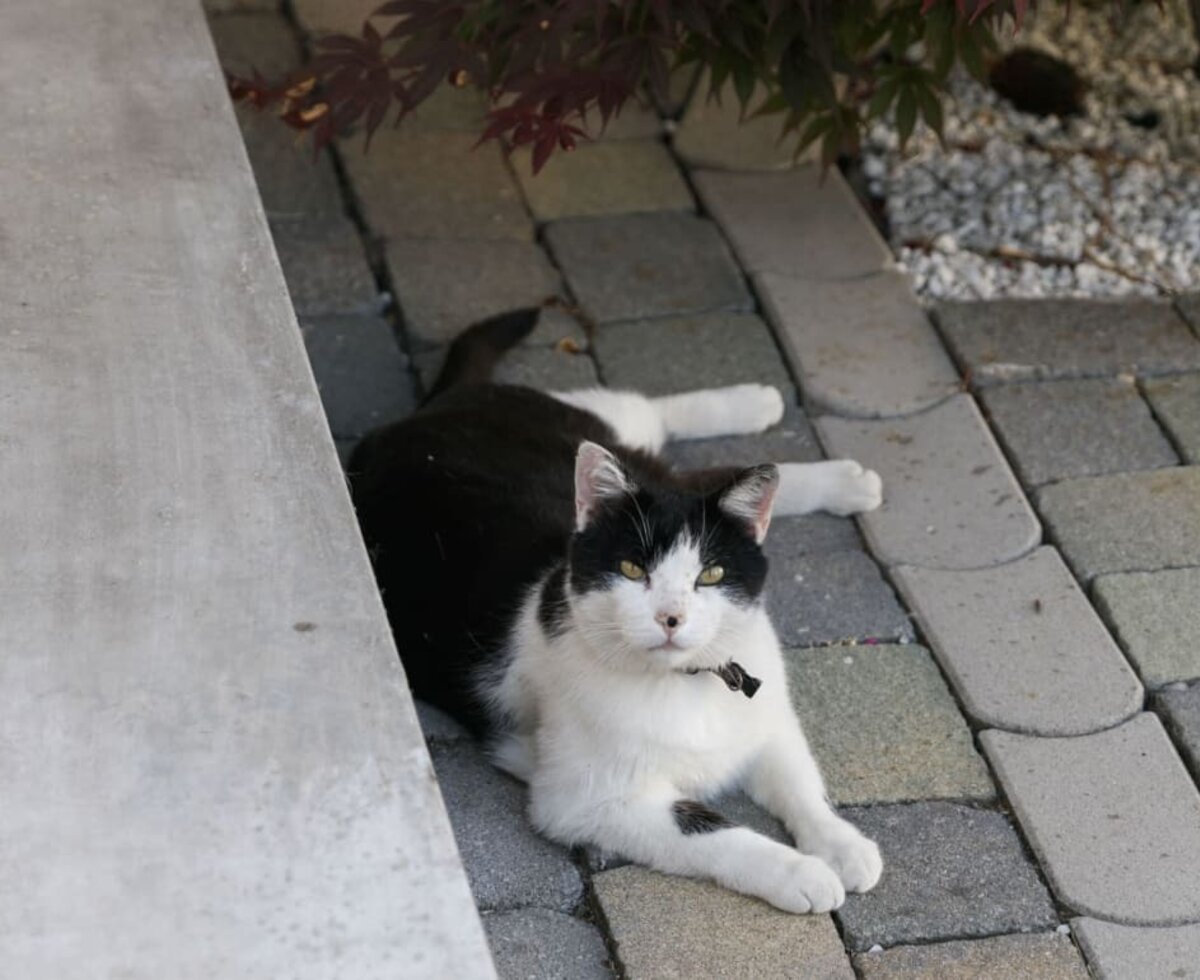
[(661, 577)]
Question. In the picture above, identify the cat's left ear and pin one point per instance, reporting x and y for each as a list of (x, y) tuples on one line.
[(598, 477), (750, 497)]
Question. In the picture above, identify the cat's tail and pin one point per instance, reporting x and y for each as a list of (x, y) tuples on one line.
[(476, 351)]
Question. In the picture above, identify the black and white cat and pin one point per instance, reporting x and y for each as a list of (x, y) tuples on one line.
[(597, 619)]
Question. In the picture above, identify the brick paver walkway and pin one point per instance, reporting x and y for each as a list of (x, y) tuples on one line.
[(1000, 674)]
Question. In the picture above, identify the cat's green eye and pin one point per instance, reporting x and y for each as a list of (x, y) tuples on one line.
[(631, 571), (711, 575)]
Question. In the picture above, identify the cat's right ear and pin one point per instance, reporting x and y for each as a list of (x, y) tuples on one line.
[(598, 477)]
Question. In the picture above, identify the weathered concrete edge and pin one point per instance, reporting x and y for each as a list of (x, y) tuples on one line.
[(217, 760)]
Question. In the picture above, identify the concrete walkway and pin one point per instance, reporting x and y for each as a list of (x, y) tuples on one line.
[(210, 765), (997, 669)]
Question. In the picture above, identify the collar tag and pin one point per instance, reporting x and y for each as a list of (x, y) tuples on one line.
[(735, 677)]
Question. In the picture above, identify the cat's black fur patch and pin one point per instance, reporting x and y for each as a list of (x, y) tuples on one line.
[(695, 818), (466, 504), (552, 603)]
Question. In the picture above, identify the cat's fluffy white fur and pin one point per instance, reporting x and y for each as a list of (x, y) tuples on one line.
[(611, 733)]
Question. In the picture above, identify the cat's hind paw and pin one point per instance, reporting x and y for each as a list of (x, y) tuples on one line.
[(850, 488)]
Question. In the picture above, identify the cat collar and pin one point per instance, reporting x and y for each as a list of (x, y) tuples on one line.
[(735, 677)]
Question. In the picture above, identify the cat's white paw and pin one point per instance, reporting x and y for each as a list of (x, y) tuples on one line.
[(805, 884), (849, 488), (853, 857), (752, 407)]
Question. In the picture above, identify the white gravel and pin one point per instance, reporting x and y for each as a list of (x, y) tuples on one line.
[(1015, 205)]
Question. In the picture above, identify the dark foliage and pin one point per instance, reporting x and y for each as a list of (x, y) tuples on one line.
[(557, 71)]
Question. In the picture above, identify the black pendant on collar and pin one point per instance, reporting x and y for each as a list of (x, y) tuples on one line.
[(735, 677)]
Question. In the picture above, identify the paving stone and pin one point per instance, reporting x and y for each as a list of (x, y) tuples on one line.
[(508, 865), (949, 498), (249, 39), (680, 85), (1180, 711), (438, 726), (1024, 339), (794, 224), (531, 944), (1118, 952), (543, 368), (1022, 646), (1054, 430), (327, 273), (669, 928), (1044, 956), (791, 441), (884, 727), (1176, 402), (824, 589), (706, 350), (333, 16), (1189, 306), (436, 184), (863, 348), (638, 120), (1113, 817), (609, 177), (1156, 619), (715, 133), (444, 287), (361, 373), (225, 6), (1126, 522), (643, 265), (949, 872), (463, 109)]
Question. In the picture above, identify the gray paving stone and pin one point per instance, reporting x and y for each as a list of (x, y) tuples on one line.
[(713, 133), (1156, 619), (508, 865), (863, 347), (794, 224), (544, 368), (327, 273), (1054, 430), (818, 596), (1125, 522), (643, 265), (438, 726), (361, 373), (444, 287), (1113, 817), (604, 178), (1023, 647), (949, 498), (680, 85), (250, 38), (1180, 710), (1189, 306), (791, 441), (669, 928), (1043, 956), (1176, 402), (332, 16), (537, 944), (638, 120), (884, 727), (705, 350), (436, 184), (1118, 952), (226, 6), (949, 872), (448, 107), (1024, 339)]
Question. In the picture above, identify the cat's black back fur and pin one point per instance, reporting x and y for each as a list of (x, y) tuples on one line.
[(470, 501)]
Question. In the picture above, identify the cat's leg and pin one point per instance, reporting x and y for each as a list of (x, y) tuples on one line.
[(733, 411), (646, 423), (838, 486), (785, 780), (668, 833)]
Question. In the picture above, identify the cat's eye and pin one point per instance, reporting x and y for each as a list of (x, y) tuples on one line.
[(632, 571), (711, 575)]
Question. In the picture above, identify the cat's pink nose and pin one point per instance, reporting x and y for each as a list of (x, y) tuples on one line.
[(670, 621)]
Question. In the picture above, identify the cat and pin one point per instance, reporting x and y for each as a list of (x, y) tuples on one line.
[(597, 619)]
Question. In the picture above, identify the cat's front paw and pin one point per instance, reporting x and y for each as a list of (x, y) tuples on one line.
[(850, 488), (752, 407), (806, 885), (853, 857)]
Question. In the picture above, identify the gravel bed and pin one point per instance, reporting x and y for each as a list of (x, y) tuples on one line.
[(1103, 204)]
